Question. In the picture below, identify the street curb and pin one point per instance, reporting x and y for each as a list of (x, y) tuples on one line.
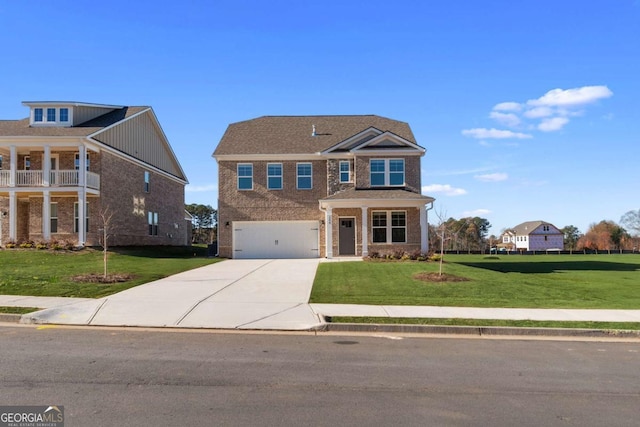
[(481, 330), (10, 317)]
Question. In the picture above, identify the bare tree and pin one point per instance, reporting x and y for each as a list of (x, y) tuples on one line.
[(106, 222), (442, 226)]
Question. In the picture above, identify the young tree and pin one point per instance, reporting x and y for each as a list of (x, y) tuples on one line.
[(106, 223)]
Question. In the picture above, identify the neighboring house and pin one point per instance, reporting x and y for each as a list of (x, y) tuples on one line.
[(320, 186), (69, 163), (533, 236)]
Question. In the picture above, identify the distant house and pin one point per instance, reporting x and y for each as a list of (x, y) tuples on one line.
[(320, 186), (68, 162), (533, 236)]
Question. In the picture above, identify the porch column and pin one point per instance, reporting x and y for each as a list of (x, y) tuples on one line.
[(46, 166), (424, 230), (82, 167), (365, 234), (13, 165), (328, 230), (46, 215), (13, 216), (82, 220)]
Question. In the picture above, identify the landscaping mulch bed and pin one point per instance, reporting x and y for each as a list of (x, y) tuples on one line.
[(100, 278), (439, 278)]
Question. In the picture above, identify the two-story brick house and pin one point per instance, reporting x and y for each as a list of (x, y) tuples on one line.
[(320, 186), (69, 163)]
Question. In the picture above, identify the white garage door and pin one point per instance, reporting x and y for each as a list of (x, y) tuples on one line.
[(275, 239)]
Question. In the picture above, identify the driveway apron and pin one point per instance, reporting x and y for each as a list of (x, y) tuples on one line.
[(242, 294)]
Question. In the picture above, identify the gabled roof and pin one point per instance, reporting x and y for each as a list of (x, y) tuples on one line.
[(528, 227), (294, 134)]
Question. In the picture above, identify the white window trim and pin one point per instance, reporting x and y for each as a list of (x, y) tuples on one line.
[(304, 176), (152, 219), (275, 176), (55, 115), (76, 161), (27, 159), (238, 176), (387, 173), (147, 181), (348, 163), (389, 227)]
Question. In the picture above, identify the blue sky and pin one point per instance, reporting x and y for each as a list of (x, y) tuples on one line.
[(528, 109)]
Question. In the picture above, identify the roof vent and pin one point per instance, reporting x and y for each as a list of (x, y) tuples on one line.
[(313, 130)]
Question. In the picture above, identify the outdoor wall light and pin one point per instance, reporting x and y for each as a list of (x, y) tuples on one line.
[(226, 224)]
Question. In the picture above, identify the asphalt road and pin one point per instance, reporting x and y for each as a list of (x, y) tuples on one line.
[(118, 377)]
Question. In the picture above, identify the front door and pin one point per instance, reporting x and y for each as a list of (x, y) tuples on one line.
[(347, 237), (53, 179)]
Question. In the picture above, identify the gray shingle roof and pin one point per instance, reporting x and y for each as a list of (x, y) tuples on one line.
[(371, 194), (292, 134), (22, 128), (527, 227)]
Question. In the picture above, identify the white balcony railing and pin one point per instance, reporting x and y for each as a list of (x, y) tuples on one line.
[(57, 178), (5, 178)]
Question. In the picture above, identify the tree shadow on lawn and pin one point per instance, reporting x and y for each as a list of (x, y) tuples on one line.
[(552, 267), (159, 251)]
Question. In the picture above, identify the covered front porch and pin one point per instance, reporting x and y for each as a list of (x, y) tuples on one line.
[(361, 223)]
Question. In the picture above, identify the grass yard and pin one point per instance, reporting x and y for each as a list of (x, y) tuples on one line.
[(50, 273), (539, 281)]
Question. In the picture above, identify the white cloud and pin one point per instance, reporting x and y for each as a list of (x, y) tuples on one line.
[(507, 106), (481, 133), (200, 188), (477, 212), (492, 177), (538, 112), (445, 189), (552, 124), (571, 97), (507, 119)]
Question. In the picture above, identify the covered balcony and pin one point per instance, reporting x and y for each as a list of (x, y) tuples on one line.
[(54, 178)]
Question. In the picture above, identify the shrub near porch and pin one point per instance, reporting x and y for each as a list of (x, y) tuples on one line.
[(545, 281)]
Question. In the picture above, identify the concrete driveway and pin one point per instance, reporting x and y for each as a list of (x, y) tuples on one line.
[(236, 294)]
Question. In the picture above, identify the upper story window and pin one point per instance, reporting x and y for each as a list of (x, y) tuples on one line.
[(147, 179), (274, 176), (345, 171), (305, 181), (27, 163), (245, 176), (386, 172), (77, 162), (0, 162), (37, 115), (64, 114), (51, 114)]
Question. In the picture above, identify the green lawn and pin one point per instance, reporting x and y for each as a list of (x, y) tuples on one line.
[(49, 273), (540, 281)]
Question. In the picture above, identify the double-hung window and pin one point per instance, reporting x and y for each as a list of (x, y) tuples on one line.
[(54, 217), (38, 114), (386, 172), (153, 223), (304, 176), (76, 217), (345, 171), (389, 226), (274, 176), (64, 114), (245, 176), (147, 181), (76, 162), (51, 114)]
